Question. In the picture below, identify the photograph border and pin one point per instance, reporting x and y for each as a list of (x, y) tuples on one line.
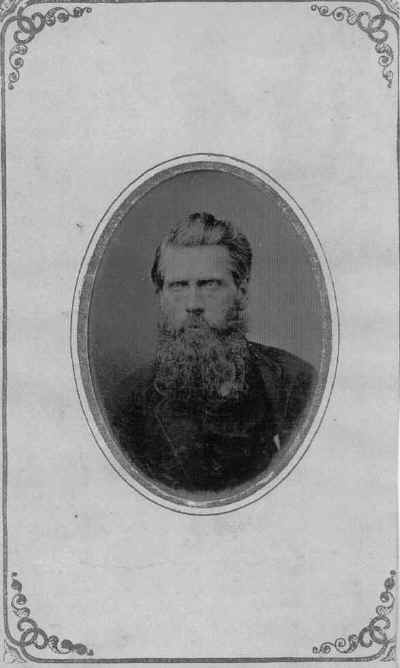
[(95, 250), (14, 649)]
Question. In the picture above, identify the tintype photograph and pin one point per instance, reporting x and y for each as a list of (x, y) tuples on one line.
[(200, 331), (209, 331)]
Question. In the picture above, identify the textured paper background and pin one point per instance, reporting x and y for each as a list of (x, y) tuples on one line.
[(100, 100)]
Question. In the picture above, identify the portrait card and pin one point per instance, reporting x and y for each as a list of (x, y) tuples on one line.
[(200, 331)]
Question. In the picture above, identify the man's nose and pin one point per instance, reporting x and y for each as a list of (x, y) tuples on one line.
[(194, 302)]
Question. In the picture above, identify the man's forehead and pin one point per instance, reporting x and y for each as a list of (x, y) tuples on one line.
[(195, 261)]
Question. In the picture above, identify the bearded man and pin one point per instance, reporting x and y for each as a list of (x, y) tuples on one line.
[(214, 408)]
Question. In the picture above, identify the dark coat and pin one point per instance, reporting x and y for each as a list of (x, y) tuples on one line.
[(212, 449)]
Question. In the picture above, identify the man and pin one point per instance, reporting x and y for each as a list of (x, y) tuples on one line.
[(213, 409)]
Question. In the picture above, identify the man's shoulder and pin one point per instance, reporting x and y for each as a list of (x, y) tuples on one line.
[(132, 389), (290, 382), (281, 363), (138, 380)]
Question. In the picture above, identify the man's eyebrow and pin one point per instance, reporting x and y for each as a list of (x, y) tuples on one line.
[(177, 281), (211, 279)]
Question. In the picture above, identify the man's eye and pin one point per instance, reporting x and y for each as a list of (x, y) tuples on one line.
[(177, 285), (212, 283)]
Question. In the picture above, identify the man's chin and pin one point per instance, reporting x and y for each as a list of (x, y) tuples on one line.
[(195, 329), (194, 325), (207, 328)]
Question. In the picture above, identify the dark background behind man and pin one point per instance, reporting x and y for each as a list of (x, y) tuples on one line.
[(285, 308), (212, 409)]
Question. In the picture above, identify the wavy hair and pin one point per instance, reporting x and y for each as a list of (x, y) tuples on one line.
[(203, 229)]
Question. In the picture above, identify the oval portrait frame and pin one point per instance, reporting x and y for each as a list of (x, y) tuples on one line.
[(254, 490)]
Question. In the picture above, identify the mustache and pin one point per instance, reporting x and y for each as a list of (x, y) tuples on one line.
[(194, 326), (235, 321)]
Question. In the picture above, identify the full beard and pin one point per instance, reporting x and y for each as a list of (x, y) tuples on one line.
[(199, 363)]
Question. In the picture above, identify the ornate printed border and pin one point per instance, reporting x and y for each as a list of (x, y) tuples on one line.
[(377, 630), (32, 634), (375, 633), (375, 27), (11, 654), (29, 27)]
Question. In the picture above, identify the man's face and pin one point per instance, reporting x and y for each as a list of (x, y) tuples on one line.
[(198, 284)]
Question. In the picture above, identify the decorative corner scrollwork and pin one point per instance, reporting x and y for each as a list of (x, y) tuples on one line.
[(7, 7), (30, 26), (392, 6), (11, 654), (375, 633), (374, 25), (32, 634)]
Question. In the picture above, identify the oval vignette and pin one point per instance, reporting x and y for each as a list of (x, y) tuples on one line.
[(114, 317)]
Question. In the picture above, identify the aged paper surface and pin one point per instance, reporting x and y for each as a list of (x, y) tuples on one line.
[(297, 102)]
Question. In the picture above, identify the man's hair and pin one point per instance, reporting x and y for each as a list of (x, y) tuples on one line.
[(203, 229)]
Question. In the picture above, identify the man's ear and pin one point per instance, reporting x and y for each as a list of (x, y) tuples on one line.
[(243, 289)]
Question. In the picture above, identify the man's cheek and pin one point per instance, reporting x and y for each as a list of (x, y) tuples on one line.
[(171, 313), (166, 305)]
